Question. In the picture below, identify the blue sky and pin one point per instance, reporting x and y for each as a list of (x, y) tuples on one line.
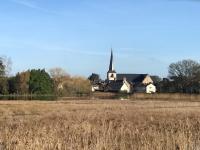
[(146, 35)]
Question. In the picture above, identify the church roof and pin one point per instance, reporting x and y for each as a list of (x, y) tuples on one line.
[(112, 71), (134, 78), (115, 85)]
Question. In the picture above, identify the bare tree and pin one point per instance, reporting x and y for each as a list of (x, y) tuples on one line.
[(2, 67), (185, 74), (5, 66), (58, 72), (58, 75), (186, 68)]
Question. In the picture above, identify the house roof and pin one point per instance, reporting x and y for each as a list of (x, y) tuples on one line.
[(134, 78)]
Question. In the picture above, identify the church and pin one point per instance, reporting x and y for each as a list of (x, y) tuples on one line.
[(126, 83)]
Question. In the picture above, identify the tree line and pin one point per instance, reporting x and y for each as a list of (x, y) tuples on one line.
[(183, 77), (40, 82)]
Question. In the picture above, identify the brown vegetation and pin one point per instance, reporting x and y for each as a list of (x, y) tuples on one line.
[(144, 96), (99, 125), (66, 85), (166, 96)]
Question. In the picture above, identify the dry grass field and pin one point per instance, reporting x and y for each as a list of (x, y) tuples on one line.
[(99, 125)]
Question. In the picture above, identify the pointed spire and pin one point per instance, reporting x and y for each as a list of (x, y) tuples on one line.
[(111, 67)]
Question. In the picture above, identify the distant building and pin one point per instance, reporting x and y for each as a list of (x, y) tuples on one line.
[(119, 86), (125, 82)]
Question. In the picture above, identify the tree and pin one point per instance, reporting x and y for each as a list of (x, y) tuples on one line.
[(40, 82), (5, 66), (94, 78), (58, 75), (185, 74), (3, 85), (4, 70), (22, 82), (75, 86), (12, 84), (58, 72)]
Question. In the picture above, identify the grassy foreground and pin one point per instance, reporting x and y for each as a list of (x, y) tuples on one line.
[(99, 125)]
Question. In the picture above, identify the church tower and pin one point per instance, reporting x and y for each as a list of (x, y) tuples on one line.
[(111, 74)]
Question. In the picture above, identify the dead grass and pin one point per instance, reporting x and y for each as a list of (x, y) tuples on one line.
[(100, 125)]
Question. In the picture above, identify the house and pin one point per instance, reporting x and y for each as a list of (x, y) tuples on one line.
[(96, 83), (95, 88), (98, 86), (149, 88), (128, 82), (119, 86), (141, 82)]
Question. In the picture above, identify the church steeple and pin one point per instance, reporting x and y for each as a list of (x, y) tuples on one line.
[(111, 74), (111, 67)]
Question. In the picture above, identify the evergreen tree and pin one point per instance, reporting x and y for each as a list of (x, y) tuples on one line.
[(3, 85), (40, 82)]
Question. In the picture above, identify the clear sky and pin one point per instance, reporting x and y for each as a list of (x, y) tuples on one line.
[(146, 35)]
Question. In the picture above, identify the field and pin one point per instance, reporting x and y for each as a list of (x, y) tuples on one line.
[(100, 125)]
